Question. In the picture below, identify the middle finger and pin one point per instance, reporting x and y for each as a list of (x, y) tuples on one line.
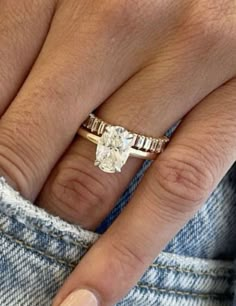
[(148, 103), (71, 76)]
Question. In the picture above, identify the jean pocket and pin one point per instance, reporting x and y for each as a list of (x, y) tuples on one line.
[(39, 251)]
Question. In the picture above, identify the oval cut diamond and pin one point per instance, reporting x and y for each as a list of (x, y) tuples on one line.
[(113, 149)]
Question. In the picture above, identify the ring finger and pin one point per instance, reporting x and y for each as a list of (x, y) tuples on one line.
[(81, 193)]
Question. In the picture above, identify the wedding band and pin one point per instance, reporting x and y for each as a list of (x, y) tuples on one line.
[(115, 144)]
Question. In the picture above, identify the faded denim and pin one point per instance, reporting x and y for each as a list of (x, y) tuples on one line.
[(38, 251)]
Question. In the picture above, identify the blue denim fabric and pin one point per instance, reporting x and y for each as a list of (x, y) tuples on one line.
[(38, 251)]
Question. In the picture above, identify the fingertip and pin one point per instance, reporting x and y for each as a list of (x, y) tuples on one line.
[(81, 297)]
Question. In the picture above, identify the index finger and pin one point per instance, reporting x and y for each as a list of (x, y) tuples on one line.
[(173, 189)]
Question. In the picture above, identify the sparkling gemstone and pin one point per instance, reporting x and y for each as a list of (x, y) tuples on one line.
[(113, 149), (90, 121), (95, 125), (147, 144), (140, 141)]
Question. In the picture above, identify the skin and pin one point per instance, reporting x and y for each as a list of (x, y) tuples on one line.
[(143, 65)]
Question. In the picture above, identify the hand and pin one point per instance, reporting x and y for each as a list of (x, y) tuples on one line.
[(152, 63)]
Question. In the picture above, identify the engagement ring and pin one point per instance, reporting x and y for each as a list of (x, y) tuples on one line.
[(115, 144)]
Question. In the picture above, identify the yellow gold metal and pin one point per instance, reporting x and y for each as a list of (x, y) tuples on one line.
[(133, 152), (115, 144)]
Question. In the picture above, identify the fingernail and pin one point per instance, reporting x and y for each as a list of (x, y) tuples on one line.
[(80, 297)]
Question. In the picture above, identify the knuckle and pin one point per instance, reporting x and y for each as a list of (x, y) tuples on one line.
[(78, 192), (18, 155), (185, 179), (24, 133), (125, 258), (14, 169)]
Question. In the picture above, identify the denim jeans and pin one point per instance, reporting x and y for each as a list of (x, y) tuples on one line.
[(38, 251)]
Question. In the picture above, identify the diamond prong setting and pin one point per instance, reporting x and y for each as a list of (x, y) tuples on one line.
[(115, 144), (113, 149)]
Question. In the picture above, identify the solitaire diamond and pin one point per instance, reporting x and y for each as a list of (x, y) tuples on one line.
[(113, 149)]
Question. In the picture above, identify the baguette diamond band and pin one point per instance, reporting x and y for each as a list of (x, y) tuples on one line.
[(115, 144)]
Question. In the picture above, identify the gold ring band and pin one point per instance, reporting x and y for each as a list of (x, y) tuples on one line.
[(115, 144), (132, 152)]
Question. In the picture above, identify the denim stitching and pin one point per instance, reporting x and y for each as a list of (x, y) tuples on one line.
[(139, 285), (160, 266), (80, 244), (184, 293), (27, 246), (73, 265), (190, 271)]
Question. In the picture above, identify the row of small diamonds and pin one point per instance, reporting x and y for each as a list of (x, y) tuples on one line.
[(140, 142), (147, 143), (95, 125)]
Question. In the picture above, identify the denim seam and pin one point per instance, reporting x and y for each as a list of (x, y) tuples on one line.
[(191, 271), (185, 293), (73, 265), (139, 285), (27, 246), (86, 246), (80, 244)]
